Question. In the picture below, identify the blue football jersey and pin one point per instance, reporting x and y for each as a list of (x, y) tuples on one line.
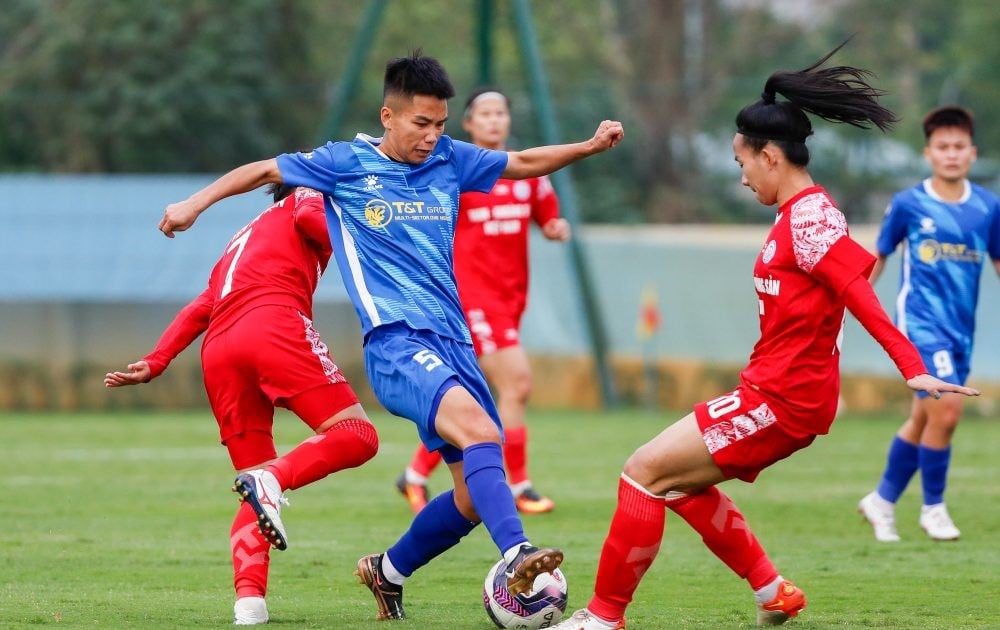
[(945, 246), (392, 225)]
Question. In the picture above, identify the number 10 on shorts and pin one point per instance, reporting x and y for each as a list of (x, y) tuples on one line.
[(427, 359)]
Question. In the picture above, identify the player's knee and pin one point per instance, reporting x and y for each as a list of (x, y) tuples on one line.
[(640, 466), (364, 433)]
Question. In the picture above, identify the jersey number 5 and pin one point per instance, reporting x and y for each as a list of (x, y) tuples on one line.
[(238, 245), (427, 359)]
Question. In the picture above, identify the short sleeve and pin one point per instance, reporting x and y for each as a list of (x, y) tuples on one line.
[(845, 261), (478, 168), (316, 169), (545, 205), (893, 228), (994, 237)]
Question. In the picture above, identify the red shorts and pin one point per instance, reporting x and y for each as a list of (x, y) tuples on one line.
[(493, 330), (744, 435), (271, 357)]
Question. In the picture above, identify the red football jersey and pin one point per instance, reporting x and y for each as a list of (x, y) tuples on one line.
[(800, 275), (276, 259), (491, 242)]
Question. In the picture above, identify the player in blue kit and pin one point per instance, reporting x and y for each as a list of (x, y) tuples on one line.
[(392, 204), (950, 226)]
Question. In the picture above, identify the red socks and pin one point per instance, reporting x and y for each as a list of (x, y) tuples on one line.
[(629, 549), (251, 554), (515, 454), (347, 444), (424, 462), (725, 532)]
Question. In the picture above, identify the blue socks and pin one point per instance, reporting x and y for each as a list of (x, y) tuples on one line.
[(491, 496), (934, 472), (435, 529), (902, 461)]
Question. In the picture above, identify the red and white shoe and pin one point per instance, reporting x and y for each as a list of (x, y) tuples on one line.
[(788, 603)]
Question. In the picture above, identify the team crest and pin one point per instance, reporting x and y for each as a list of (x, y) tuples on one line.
[(769, 251), (378, 213), (522, 190)]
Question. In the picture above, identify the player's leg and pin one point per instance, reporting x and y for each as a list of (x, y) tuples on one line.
[(244, 415), (943, 416), (676, 458), (412, 482), (902, 461), (509, 371)]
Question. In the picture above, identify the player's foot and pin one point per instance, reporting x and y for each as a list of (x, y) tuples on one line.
[(250, 611), (934, 520), (530, 502), (882, 516), (788, 603), (529, 562), (388, 596), (583, 619), (416, 494), (260, 489)]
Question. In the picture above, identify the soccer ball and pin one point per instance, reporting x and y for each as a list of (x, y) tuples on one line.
[(541, 607)]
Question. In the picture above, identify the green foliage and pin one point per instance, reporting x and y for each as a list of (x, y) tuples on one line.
[(116, 521), (205, 85)]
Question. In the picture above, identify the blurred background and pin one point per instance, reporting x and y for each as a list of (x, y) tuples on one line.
[(111, 110)]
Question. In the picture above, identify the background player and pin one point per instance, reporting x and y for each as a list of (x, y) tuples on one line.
[(808, 270), (261, 351), (392, 203), (950, 226), (491, 269)]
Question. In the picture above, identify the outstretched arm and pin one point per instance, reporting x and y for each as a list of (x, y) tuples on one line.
[(191, 321), (860, 299), (181, 215), (544, 160)]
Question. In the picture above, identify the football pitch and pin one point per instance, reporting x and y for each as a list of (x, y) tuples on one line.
[(122, 520)]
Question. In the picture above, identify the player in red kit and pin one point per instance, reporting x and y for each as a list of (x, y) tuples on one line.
[(808, 271), (491, 270), (260, 352)]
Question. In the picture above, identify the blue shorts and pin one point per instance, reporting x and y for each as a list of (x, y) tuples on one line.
[(948, 362), (410, 370)]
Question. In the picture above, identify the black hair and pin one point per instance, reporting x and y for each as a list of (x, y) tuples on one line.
[(949, 116), (417, 74), (838, 94), (479, 91), (278, 191)]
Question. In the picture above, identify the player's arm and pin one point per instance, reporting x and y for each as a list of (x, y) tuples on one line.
[(190, 322), (540, 161), (545, 212), (181, 215), (860, 299), (877, 269), (996, 265)]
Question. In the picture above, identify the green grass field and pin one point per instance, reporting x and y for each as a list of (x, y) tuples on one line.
[(115, 521)]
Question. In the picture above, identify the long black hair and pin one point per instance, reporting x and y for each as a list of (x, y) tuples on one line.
[(838, 94)]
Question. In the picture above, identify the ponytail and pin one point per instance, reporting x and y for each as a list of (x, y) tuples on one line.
[(839, 94)]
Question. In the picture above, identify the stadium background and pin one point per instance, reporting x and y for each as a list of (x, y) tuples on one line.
[(110, 111)]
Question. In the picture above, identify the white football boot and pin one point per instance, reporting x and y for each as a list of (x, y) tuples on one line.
[(260, 489), (882, 516), (583, 619), (250, 611), (934, 520)]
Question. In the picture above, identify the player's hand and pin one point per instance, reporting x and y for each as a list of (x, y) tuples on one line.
[(935, 386), (178, 217), (608, 134), (138, 372), (556, 229)]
